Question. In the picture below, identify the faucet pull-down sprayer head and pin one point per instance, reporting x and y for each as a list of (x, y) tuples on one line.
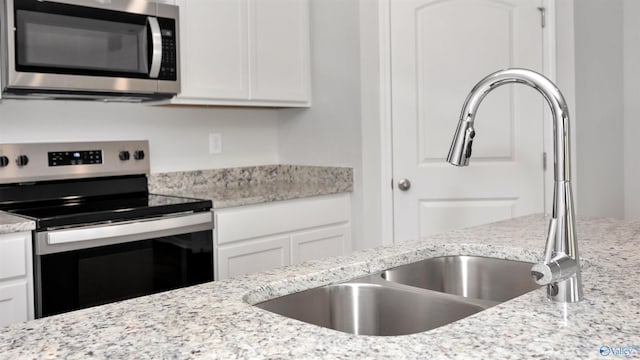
[(460, 151)]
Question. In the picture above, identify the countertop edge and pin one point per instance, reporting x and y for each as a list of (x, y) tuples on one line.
[(10, 223)]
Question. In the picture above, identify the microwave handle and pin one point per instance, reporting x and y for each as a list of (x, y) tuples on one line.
[(156, 44)]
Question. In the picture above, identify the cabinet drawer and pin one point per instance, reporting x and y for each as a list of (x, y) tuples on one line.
[(13, 303), (246, 222), (13, 256)]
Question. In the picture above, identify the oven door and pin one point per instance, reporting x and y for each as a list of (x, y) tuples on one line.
[(82, 267)]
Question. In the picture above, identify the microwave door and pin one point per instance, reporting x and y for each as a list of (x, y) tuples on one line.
[(59, 44)]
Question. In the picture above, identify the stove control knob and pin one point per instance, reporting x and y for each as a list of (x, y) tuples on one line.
[(22, 160), (138, 154), (4, 161), (124, 155)]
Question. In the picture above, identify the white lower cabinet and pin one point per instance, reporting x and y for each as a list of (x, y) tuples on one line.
[(16, 274), (261, 237)]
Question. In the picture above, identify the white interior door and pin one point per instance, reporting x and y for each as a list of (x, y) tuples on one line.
[(439, 50)]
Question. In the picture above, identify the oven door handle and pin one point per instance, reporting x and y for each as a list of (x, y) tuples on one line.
[(81, 238)]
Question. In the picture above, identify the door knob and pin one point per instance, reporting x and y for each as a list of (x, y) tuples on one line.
[(404, 184)]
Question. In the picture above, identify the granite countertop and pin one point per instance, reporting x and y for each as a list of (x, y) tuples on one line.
[(230, 187), (215, 320), (254, 185), (10, 223)]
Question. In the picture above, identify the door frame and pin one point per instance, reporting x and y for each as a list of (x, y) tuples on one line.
[(549, 33)]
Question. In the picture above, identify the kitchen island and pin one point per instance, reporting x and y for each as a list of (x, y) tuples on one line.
[(216, 320)]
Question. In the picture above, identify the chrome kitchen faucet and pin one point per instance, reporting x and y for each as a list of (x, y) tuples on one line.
[(560, 270)]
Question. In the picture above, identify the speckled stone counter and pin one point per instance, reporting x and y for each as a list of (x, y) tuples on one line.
[(253, 185), (10, 223), (214, 320)]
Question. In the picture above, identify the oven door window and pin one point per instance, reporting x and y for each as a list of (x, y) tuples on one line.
[(88, 277), (49, 39)]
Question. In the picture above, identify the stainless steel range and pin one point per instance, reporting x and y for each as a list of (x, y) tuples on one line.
[(100, 235)]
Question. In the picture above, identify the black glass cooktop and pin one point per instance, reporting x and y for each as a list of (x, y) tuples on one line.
[(88, 211), (72, 203)]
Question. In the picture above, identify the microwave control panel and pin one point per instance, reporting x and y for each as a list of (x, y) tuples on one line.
[(169, 64)]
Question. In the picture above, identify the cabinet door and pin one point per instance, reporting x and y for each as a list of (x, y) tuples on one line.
[(320, 243), (214, 49), (279, 50), (16, 278), (14, 303), (14, 255), (253, 256)]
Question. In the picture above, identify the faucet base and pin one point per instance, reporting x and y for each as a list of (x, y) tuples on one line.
[(567, 291)]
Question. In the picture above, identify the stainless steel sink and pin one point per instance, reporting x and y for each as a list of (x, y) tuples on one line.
[(469, 276), (410, 298), (371, 309)]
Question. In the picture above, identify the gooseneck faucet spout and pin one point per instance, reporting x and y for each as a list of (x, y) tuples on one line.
[(560, 269)]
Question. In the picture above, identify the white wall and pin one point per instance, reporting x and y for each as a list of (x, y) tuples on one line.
[(599, 115), (631, 11), (378, 229), (329, 132), (178, 136)]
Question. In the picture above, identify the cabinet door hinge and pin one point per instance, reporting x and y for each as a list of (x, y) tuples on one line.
[(543, 16)]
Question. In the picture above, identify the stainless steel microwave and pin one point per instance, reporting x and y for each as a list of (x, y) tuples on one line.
[(123, 50)]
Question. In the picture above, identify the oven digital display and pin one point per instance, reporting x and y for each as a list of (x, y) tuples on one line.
[(82, 157)]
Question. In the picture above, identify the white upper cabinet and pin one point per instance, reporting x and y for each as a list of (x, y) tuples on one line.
[(279, 51), (214, 50), (244, 52)]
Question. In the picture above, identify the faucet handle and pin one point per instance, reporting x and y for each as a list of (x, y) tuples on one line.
[(541, 274), (559, 268)]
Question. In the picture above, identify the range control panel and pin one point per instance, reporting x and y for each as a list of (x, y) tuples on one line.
[(52, 161), (75, 157)]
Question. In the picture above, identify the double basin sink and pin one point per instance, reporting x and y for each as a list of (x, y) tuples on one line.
[(410, 298)]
